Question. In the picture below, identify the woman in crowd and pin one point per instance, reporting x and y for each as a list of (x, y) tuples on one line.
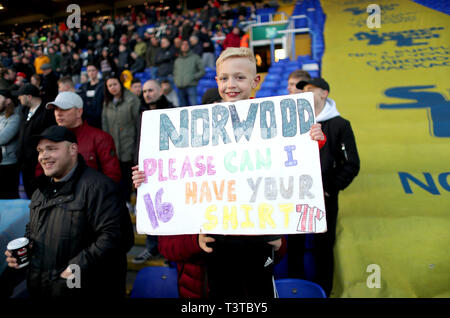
[(119, 118), (107, 64), (9, 128)]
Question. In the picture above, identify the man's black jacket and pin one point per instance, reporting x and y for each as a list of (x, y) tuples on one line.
[(82, 222)]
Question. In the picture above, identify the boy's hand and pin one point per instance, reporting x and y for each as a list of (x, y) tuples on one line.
[(11, 261), (203, 239), (138, 177), (316, 132), (276, 244), (66, 273)]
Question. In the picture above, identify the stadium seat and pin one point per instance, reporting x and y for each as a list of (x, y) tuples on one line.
[(284, 61), (314, 73), (303, 58), (207, 82), (282, 91), (265, 92), (310, 66), (298, 288), (276, 69), (270, 84), (156, 282), (272, 77), (14, 216), (280, 269)]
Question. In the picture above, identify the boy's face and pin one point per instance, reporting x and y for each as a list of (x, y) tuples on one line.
[(320, 96), (236, 78), (292, 85)]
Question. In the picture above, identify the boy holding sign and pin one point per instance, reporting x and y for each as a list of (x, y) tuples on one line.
[(218, 265)]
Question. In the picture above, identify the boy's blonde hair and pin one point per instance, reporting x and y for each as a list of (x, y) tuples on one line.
[(237, 52)]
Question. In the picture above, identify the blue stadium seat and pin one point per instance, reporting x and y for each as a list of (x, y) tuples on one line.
[(265, 92), (209, 76), (282, 91), (314, 73), (14, 216), (207, 82), (284, 61), (276, 69), (156, 282), (273, 76), (270, 84), (280, 269), (289, 69), (302, 58), (298, 288)]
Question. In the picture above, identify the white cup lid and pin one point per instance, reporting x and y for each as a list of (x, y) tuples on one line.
[(17, 243)]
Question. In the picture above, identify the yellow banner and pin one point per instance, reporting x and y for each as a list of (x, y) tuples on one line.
[(388, 69)]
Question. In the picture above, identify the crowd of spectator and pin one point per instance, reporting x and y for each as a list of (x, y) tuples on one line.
[(98, 61), (139, 39)]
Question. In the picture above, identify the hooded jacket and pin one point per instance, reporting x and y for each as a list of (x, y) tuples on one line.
[(339, 156)]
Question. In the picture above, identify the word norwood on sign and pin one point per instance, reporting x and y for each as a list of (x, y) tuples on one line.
[(213, 125)]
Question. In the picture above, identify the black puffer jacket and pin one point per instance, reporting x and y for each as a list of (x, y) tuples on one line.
[(84, 222)]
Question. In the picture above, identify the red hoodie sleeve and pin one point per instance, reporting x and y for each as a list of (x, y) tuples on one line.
[(177, 248)]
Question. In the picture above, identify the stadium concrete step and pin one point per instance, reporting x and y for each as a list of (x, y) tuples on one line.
[(139, 239), (160, 261)]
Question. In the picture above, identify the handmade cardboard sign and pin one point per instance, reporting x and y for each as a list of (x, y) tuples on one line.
[(243, 168)]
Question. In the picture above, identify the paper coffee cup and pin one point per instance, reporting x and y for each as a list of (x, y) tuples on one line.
[(19, 249)]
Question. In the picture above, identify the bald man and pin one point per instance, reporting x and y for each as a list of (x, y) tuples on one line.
[(153, 98)]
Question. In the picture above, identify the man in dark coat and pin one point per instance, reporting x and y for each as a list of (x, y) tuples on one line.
[(153, 98), (340, 165), (78, 225), (49, 83), (34, 119), (164, 59), (92, 95)]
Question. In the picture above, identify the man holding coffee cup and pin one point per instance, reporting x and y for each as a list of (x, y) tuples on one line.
[(77, 220)]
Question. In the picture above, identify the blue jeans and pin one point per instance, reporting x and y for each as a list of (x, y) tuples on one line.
[(187, 96)]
